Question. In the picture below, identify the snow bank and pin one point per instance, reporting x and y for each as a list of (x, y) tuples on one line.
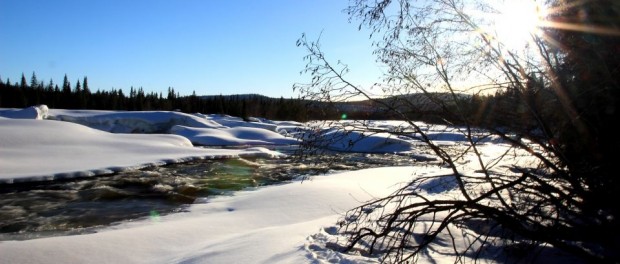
[(211, 129), (132, 121), (355, 141), (231, 121), (33, 112), (35, 150), (288, 223), (267, 225), (232, 136)]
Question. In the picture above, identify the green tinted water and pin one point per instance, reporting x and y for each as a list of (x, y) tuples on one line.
[(31, 210)]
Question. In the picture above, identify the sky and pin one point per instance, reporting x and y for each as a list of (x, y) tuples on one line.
[(210, 47)]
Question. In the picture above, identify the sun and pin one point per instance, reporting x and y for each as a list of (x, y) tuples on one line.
[(516, 21)]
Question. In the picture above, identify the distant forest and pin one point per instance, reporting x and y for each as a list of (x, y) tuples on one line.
[(490, 110), (79, 96)]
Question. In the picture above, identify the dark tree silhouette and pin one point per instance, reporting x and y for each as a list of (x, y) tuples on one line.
[(23, 84), (80, 97), (33, 81)]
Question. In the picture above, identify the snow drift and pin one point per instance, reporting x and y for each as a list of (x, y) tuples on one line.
[(35, 150), (232, 136)]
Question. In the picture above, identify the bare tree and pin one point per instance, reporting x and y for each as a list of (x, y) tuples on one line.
[(559, 91)]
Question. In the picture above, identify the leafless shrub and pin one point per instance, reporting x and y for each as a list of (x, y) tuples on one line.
[(541, 101)]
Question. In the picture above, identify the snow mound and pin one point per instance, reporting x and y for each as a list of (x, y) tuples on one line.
[(356, 141), (231, 121), (232, 136), (132, 121), (41, 150), (33, 112)]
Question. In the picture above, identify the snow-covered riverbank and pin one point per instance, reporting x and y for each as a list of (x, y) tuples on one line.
[(288, 223)]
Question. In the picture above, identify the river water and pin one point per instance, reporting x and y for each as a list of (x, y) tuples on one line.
[(33, 210)]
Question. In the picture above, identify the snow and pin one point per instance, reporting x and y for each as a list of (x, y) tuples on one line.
[(267, 225), (33, 112), (349, 139), (286, 223), (132, 121), (232, 136), (355, 141), (66, 150), (236, 122)]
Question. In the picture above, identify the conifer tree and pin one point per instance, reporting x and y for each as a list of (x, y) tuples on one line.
[(50, 86), (23, 83), (33, 81), (86, 89), (171, 94), (66, 86), (78, 87)]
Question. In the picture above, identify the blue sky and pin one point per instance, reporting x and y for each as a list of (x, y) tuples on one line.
[(211, 47)]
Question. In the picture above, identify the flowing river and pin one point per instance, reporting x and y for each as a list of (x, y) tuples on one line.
[(77, 206)]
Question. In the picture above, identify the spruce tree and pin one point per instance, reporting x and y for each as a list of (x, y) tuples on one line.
[(85, 88), (33, 81), (86, 94), (23, 83), (78, 87), (50, 86), (66, 86)]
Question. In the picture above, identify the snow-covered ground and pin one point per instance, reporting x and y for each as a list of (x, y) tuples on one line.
[(268, 225), (33, 150), (287, 223)]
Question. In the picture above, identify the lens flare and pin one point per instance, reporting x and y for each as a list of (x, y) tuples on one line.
[(154, 216)]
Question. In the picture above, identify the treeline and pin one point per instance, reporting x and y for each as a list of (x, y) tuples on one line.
[(506, 108), (79, 96)]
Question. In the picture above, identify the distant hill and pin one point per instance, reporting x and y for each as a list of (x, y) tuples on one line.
[(406, 102), (237, 96), (416, 106)]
